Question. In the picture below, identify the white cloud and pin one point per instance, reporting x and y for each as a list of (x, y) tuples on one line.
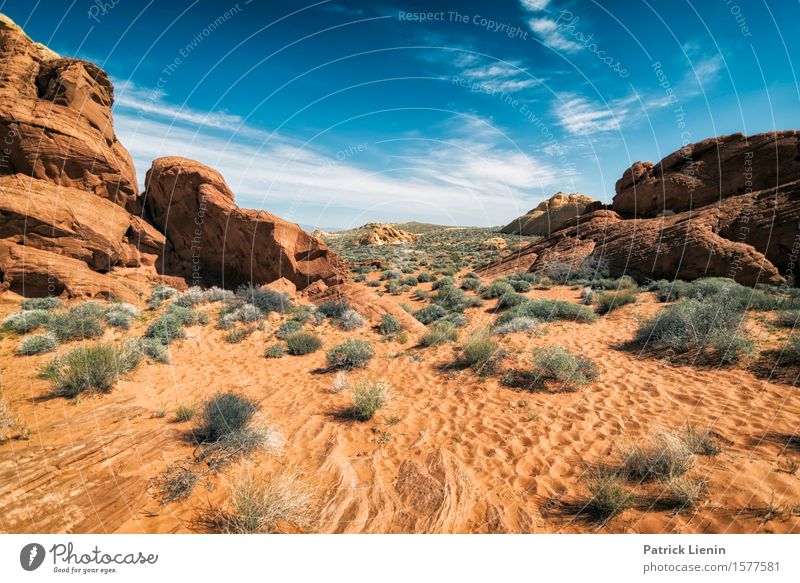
[(552, 35), (472, 176), (494, 76), (580, 116), (534, 5)]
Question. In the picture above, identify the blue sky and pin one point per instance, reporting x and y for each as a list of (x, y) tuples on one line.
[(335, 113)]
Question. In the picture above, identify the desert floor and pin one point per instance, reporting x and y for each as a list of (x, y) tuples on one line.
[(453, 452)]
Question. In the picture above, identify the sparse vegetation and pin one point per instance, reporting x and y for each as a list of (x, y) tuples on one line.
[(430, 314), (288, 328), (439, 333), (26, 321), (225, 415), (264, 299), (557, 366), (96, 367), (239, 334), (300, 343), (259, 503), (277, 350), (334, 308), (159, 294), (368, 398), (38, 344), (389, 325), (45, 303), (518, 324), (479, 350), (664, 457), (609, 497), (79, 322), (352, 353), (683, 492), (350, 320), (185, 412), (611, 300), (175, 484), (547, 311)]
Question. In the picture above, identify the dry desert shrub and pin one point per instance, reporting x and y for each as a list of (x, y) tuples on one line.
[(663, 457), (260, 503), (368, 398)]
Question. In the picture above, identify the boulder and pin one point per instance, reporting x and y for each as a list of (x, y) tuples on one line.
[(56, 122), (380, 234), (209, 239), (550, 215), (707, 172)]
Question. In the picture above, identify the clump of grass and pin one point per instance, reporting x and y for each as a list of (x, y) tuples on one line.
[(39, 344), (277, 350), (45, 303), (264, 299), (352, 353), (82, 321), (557, 366), (288, 328), (684, 493), (96, 367), (260, 503), (509, 300), (548, 311), (368, 398), (159, 294), (226, 414), (439, 333), (175, 484), (165, 329), (301, 343), (121, 315), (609, 497), (694, 325), (334, 308), (611, 300), (350, 320), (389, 325), (191, 297), (700, 441), (154, 350), (26, 321), (664, 457), (430, 314), (479, 350), (519, 324), (496, 289), (185, 412), (588, 296), (239, 334)]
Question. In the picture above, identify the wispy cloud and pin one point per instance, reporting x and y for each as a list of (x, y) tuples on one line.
[(552, 35), (580, 116), (534, 5), (493, 76), (472, 175)]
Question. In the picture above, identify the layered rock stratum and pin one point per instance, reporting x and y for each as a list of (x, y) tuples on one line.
[(550, 215), (74, 221), (734, 214)]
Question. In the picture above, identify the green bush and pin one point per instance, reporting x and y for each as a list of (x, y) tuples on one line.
[(82, 321), (471, 283), (165, 329), (265, 299), (38, 344), (154, 349), (185, 412), (159, 294), (451, 299), (277, 350), (226, 414), (547, 311), (389, 325), (611, 300), (288, 328), (301, 343), (479, 349), (334, 308), (456, 319), (350, 354), (368, 398), (350, 320), (519, 285), (425, 276), (430, 314), (509, 300), (121, 315), (519, 324), (191, 297), (496, 289), (26, 321), (692, 325), (439, 333), (559, 366), (443, 283), (96, 367), (46, 303)]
